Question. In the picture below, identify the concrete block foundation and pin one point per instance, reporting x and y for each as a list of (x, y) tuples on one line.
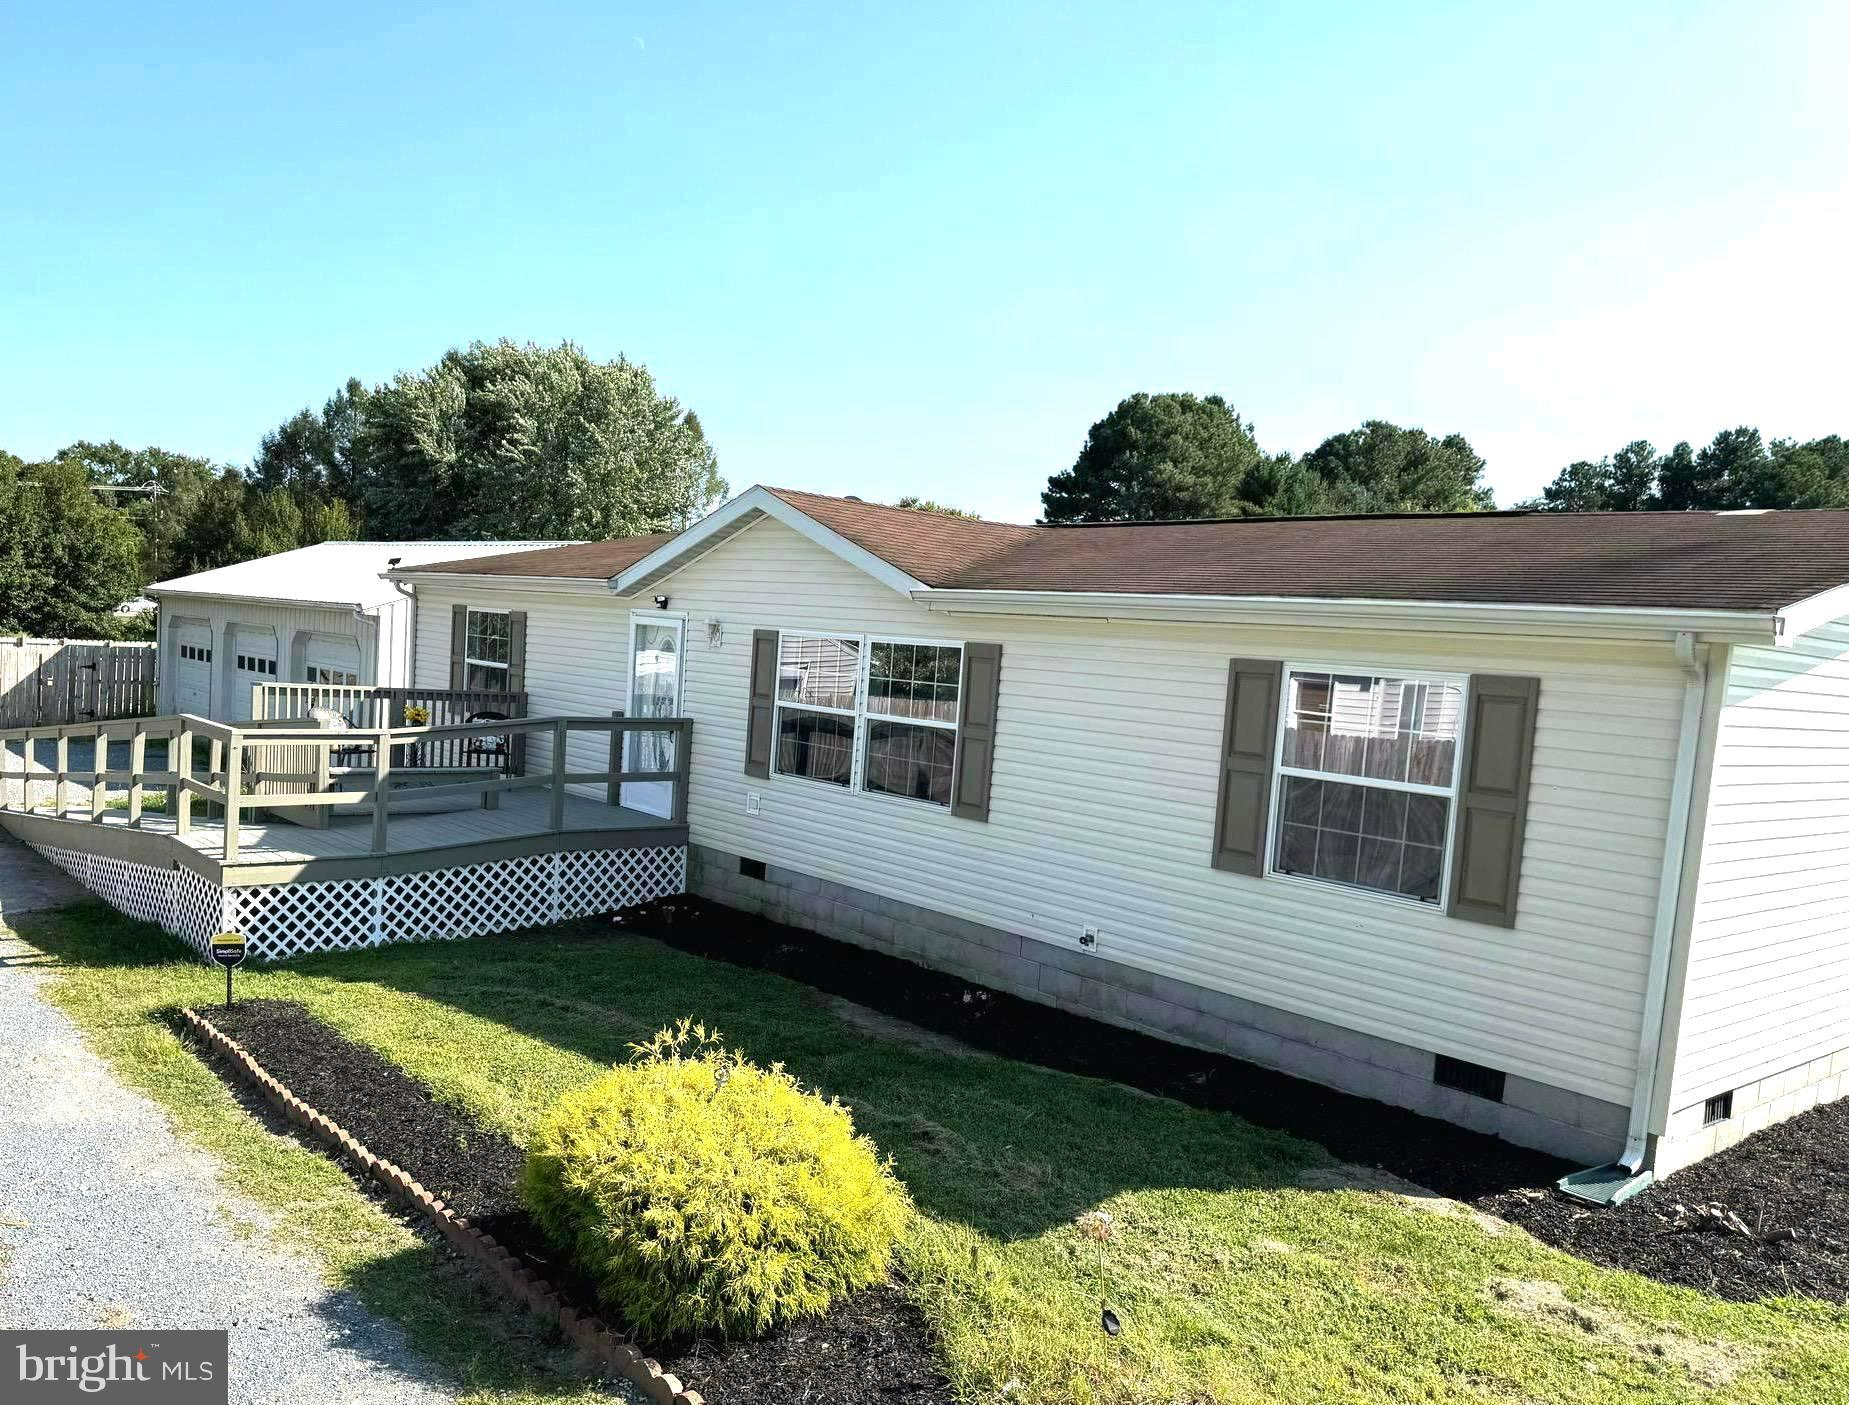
[(1580, 1128)]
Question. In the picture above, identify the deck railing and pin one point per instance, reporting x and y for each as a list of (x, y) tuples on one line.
[(229, 783), (189, 741), (366, 706)]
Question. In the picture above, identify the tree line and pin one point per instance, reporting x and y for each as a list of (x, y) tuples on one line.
[(504, 440), (496, 440), (1178, 455)]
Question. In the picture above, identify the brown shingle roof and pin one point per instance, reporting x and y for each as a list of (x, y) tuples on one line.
[(594, 561), (1702, 560), (1692, 560), (928, 546), (1675, 560)]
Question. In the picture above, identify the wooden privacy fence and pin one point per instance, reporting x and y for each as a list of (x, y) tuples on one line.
[(52, 682)]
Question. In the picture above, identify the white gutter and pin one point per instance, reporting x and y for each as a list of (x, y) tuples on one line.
[(483, 580), (1668, 898), (155, 592), (1732, 626)]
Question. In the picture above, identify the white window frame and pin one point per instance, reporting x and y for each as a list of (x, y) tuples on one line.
[(1280, 773), (861, 714), (470, 661)]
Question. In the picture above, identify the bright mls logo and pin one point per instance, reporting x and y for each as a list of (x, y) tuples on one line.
[(158, 1368)]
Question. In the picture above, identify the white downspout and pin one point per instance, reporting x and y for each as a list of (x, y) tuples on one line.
[(1669, 896), (409, 592)]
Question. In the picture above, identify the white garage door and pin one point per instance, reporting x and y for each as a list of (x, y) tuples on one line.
[(192, 669), (254, 662), (332, 660)]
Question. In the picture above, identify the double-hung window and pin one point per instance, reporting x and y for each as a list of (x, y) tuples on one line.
[(1367, 779), (487, 649), (869, 714)]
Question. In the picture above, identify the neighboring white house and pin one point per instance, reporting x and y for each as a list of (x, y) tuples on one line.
[(1535, 822), (319, 614)]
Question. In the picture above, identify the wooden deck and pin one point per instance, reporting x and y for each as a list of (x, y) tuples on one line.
[(333, 857), (276, 851)]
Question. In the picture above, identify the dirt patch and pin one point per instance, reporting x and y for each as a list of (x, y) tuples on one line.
[(1348, 1176), (874, 1346), (1709, 1362)]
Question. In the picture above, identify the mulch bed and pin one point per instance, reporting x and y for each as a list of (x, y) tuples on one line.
[(873, 1347), (1792, 1176)]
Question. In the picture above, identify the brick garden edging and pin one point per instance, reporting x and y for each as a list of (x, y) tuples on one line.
[(589, 1334)]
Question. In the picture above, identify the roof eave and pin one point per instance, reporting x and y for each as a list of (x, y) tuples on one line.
[(1584, 621), (1801, 616), (155, 592)]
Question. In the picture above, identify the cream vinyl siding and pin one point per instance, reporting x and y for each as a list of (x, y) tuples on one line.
[(1102, 810), (577, 659), (1768, 969)]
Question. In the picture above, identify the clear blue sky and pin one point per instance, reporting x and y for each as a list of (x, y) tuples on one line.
[(920, 249)]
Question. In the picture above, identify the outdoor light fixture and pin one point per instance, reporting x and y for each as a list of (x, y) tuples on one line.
[(661, 602)]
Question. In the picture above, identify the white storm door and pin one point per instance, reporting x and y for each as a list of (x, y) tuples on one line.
[(655, 647)]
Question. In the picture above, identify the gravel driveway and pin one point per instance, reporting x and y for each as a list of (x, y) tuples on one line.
[(108, 1219)]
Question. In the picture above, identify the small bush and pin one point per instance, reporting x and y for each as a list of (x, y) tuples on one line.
[(704, 1194)]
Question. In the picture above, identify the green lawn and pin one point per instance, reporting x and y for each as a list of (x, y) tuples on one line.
[(1237, 1281)]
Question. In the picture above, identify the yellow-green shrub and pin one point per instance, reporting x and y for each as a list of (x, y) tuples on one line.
[(704, 1194)]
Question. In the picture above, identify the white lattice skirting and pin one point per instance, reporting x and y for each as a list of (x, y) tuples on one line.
[(280, 920)]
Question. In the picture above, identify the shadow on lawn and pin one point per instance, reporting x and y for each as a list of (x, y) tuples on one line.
[(1009, 1148), (970, 1091)]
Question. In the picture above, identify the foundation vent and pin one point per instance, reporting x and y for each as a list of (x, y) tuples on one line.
[(1467, 1077)]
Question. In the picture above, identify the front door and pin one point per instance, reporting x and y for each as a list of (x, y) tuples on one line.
[(655, 648)]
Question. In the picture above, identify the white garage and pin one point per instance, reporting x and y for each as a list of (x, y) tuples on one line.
[(319, 614)]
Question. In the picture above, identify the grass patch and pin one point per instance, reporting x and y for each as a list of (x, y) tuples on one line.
[(153, 802), (1240, 1280)]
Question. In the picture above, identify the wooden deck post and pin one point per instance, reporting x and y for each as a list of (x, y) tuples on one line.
[(233, 783), (381, 780), (99, 787), (555, 820), (61, 790), (614, 792), (137, 761), (683, 766), (182, 766)]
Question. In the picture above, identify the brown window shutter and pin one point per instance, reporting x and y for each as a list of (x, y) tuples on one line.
[(973, 769), (1486, 868), (516, 651), (458, 645), (1247, 748), (761, 720)]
